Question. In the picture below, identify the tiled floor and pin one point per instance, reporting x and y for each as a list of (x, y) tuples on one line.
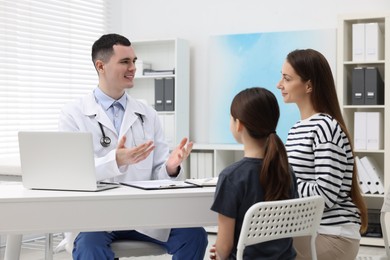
[(34, 250)]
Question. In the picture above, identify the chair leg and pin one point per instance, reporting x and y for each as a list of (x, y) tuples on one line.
[(313, 248), (49, 247), (13, 247)]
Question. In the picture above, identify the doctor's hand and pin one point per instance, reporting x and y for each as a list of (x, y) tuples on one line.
[(178, 156), (125, 156)]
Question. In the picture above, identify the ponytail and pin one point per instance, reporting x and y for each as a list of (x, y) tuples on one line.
[(275, 177), (258, 110)]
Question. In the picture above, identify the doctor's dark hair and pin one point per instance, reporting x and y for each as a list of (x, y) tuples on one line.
[(258, 110), (311, 65), (103, 49)]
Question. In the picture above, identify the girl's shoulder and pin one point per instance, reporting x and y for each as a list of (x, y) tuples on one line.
[(241, 165)]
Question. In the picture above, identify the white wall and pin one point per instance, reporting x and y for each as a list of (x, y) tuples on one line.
[(197, 20)]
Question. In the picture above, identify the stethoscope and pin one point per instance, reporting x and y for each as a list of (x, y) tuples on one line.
[(105, 141)]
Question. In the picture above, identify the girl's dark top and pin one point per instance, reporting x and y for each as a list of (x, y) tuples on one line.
[(237, 190)]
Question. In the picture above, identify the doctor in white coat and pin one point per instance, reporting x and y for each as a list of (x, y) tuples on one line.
[(129, 145)]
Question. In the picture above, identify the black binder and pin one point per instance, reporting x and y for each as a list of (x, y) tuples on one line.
[(169, 94), (159, 94), (374, 87), (358, 86)]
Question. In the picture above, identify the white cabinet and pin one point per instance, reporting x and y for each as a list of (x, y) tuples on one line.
[(208, 160), (161, 55), (348, 50)]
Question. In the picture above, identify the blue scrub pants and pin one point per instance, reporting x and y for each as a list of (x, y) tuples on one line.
[(183, 243)]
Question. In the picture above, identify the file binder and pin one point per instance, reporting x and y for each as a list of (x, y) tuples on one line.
[(366, 177), (169, 130), (360, 130), (358, 86), (209, 162), (159, 94), (374, 172), (169, 94), (201, 165), (373, 42), (374, 227), (168, 125), (373, 87), (363, 179), (374, 130), (194, 165), (164, 94), (358, 42)]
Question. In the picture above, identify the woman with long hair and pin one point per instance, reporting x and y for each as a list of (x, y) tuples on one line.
[(321, 154)]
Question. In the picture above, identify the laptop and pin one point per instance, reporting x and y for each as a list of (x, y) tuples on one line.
[(58, 161)]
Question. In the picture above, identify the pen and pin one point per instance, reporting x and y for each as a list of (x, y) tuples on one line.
[(104, 182), (168, 186)]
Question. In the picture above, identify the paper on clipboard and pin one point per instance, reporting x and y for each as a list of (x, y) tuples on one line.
[(203, 181), (159, 184)]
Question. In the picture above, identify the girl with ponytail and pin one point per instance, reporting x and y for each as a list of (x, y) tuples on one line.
[(262, 175)]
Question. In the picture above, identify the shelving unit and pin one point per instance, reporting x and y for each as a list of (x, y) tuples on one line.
[(166, 54), (345, 65), (222, 155)]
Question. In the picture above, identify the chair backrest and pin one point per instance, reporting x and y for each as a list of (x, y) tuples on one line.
[(270, 220)]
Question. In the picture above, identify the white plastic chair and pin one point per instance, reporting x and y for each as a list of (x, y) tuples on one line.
[(385, 209), (271, 220)]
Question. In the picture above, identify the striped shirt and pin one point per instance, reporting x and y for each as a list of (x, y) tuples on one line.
[(322, 159)]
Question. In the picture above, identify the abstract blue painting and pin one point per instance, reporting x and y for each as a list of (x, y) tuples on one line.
[(239, 61)]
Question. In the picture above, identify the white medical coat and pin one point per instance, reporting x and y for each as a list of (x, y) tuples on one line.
[(84, 114)]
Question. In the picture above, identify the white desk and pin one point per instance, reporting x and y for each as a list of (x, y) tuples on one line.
[(33, 211)]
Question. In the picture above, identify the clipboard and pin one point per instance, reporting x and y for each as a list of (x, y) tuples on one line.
[(159, 184)]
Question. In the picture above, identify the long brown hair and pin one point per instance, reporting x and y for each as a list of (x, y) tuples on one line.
[(311, 65), (258, 110)]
